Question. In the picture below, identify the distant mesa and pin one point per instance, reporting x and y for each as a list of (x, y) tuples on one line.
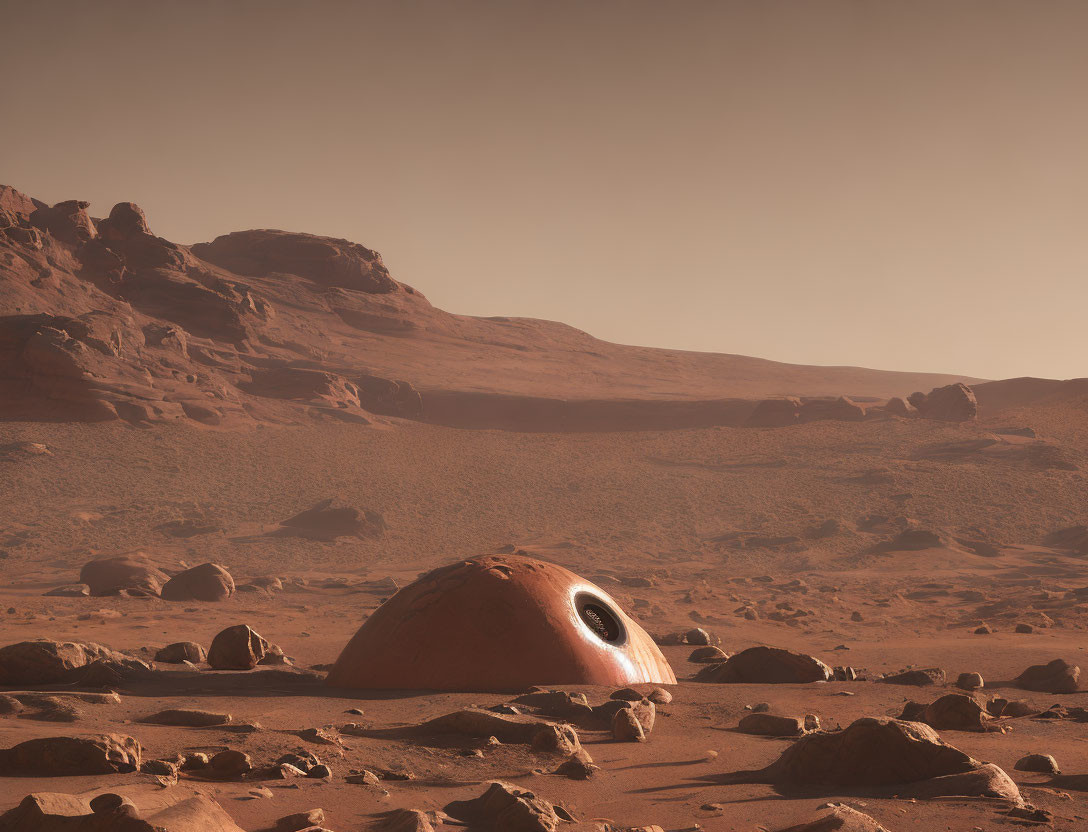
[(499, 623), (102, 320)]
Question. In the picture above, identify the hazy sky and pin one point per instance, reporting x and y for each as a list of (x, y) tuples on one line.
[(901, 185)]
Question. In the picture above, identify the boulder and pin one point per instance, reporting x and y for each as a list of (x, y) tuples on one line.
[(626, 727), (237, 648), (134, 574), (69, 591), (775, 413), (771, 725), (659, 696), (899, 407), (870, 752), (838, 819), (388, 397), (841, 409), (987, 780), (697, 635), (956, 711), (578, 766), (474, 722), (766, 665), (126, 221), (953, 403), (175, 810), (206, 582), (970, 681), (229, 765), (71, 756), (180, 652), (408, 820), (708, 655), (187, 718), (911, 540), (1042, 763), (328, 520), (1058, 676), (506, 807), (919, 677)]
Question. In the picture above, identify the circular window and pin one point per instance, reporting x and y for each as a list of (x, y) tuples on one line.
[(597, 616)]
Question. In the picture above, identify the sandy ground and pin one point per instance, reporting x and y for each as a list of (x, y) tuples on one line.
[(607, 506)]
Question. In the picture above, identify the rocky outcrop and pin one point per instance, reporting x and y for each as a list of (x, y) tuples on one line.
[(326, 261), (68, 221), (304, 385), (1073, 538), (387, 397), (953, 403), (66, 368), (766, 665)]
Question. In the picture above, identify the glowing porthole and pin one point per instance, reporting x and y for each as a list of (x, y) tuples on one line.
[(600, 620)]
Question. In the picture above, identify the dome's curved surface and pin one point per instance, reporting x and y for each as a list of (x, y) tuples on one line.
[(499, 622)]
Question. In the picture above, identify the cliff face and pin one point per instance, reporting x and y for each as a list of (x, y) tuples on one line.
[(100, 319)]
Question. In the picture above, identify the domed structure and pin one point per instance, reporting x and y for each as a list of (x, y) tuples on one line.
[(499, 623)]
